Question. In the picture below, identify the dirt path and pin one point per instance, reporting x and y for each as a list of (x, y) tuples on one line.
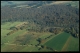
[(66, 44)]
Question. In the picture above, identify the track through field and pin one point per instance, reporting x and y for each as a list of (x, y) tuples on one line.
[(66, 44)]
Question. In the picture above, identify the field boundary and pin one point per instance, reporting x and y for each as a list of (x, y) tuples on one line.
[(65, 45), (52, 37)]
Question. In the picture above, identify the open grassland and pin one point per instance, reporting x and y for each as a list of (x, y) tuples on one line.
[(5, 29), (4, 32), (58, 41), (45, 34), (26, 41), (11, 48), (19, 39), (7, 25), (11, 37), (46, 50), (37, 35), (30, 49)]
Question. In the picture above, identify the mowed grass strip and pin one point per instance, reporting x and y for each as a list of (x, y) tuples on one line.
[(73, 44), (58, 42), (66, 44)]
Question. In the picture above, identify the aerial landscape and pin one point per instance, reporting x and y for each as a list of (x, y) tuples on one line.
[(39, 26)]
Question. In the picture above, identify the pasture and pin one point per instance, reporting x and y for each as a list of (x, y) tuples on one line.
[(19, 38), (58, 41), (26, 41), (63, 42)]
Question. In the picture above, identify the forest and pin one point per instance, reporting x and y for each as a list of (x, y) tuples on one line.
[(40, 26), (54, 17)]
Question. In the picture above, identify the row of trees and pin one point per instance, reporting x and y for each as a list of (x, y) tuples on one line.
[(11, 32)]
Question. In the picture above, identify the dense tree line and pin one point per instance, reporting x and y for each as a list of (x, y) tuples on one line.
[(46, 16)]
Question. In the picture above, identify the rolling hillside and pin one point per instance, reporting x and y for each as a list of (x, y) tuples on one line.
[(40, 26)]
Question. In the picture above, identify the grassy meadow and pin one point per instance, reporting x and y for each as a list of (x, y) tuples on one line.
[(26, 41)]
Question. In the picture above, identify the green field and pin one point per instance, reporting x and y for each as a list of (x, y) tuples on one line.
[(73, 44), (24, 36), (60, 40), (25, 41), (7, 25), (5, 28)]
